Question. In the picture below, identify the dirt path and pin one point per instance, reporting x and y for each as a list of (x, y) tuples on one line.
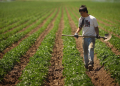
[(18, 42), (114, 50), (55, 76), (11, 79), (99, 76)]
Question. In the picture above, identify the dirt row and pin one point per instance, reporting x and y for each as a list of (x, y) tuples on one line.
[(114, 50), (99, 76), (18, 42), (11, 79), (55, 76)]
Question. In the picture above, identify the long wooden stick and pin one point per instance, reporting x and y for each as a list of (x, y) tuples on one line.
[(106, 38), (79, 36)]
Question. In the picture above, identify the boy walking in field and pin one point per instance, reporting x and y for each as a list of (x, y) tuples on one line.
[(89, 26)]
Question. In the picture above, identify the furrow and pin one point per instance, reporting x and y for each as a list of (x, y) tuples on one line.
[(55, 76)]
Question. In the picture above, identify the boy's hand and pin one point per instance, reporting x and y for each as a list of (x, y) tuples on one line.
[(97, 36), (76, 35)]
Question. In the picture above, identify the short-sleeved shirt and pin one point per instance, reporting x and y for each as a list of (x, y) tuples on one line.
[(88, 28)]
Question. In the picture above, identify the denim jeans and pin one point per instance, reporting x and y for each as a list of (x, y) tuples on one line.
[(88, 47)]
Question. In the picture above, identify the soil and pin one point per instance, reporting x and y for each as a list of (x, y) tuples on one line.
[(12, 78), (18, 42), (99, 76), (55, 76)]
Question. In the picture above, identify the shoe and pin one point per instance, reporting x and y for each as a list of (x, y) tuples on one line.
[(90, 67)]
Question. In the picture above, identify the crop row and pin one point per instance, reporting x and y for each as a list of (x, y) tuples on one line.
[(12, 26), (15, 11), (22, 21), (17, 36), (10, 58), (4, 36), (106, 56), (114, 40), (74, 70), (35, 72), (8, 24)]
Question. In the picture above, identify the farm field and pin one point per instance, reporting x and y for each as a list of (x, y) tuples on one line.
[(34, 53)]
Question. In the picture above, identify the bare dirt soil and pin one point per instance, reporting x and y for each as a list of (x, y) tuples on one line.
[(12, 78), (99, 76), (55, 76)]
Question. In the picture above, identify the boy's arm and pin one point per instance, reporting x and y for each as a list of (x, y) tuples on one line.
[(76, 33), (97, 30), (78, 30)]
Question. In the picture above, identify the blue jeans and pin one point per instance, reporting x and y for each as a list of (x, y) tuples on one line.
[(88, 47)]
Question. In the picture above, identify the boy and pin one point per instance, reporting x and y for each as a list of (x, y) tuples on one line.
[(89, 26)]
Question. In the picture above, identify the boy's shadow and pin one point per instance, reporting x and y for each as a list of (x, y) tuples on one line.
[(98, 68)]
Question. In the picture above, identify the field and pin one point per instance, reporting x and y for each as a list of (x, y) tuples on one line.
[(34, 53)]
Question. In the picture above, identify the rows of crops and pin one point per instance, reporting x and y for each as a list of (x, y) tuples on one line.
[(23, 20)]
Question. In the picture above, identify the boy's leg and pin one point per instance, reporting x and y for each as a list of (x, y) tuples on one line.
[(85, 49), (91, 51)]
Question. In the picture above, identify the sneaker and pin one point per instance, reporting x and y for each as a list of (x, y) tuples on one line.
[(90, 67)]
